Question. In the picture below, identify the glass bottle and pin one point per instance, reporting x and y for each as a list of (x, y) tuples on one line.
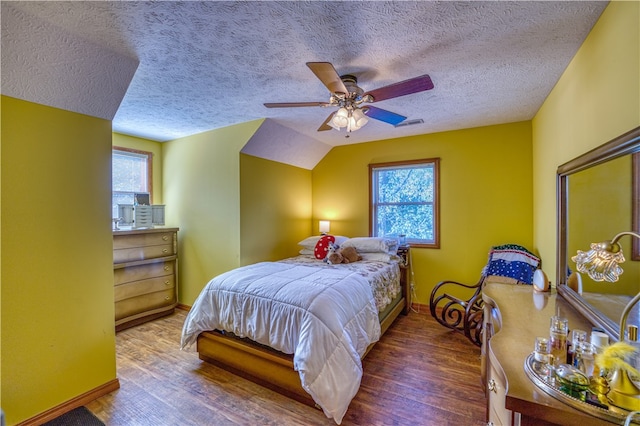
[(632, 335), (558, 339), (577, 338), (585, 358)]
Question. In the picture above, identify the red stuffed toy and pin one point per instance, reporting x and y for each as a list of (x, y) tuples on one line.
[(322, 246)]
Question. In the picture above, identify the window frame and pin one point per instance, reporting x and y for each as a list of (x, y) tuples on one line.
[(436, 199), (149, 157), (635, 204)]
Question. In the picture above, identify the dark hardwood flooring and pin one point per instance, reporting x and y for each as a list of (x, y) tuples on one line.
[(419, 373)]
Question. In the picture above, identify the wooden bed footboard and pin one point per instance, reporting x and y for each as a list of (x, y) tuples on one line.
[(265, 366)]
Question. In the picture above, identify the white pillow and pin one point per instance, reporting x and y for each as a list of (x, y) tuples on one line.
[(306, 252), (309, 243), (372, 244), (379, 257)]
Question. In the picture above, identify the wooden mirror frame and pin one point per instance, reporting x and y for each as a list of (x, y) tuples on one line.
[(627, 143), (635, 206)]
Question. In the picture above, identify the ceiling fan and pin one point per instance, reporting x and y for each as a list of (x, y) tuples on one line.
[(348, 97)]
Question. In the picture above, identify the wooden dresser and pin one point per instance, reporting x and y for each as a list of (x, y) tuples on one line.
[(145, 270), (514, 316)]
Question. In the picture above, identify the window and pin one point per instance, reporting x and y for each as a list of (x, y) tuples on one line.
[(131, 174), (404, 200)]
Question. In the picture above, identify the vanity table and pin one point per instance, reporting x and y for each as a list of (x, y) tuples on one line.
[(514, 316)]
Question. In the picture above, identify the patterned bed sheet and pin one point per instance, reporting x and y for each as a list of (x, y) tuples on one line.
[(384, 277)]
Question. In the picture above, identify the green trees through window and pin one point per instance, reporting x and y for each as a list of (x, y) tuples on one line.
[(131, 174), (404, 200)]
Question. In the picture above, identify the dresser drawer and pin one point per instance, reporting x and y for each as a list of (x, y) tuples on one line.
[(140, 272), (497, 392), (142, 287), (145, 302), (141, 253), (125, 241)]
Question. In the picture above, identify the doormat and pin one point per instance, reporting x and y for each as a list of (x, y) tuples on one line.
[(80, 416)]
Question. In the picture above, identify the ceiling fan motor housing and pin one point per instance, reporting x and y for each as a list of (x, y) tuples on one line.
[(351, 83)]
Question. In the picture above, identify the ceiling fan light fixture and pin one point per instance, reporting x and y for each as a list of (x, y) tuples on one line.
[(340, 119), (351, 125), (359, 118), (331, 124)]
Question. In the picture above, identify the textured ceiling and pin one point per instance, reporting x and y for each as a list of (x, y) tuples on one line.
[(206, 65)]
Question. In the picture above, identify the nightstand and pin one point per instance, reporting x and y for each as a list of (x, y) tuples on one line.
[(405, 268)]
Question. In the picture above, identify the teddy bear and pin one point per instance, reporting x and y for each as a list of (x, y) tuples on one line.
[(337, 255), (350, 254)]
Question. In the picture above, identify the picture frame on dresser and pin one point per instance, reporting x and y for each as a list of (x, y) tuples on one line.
[(142, 199)]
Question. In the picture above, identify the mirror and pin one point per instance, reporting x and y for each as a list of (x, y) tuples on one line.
[(598, 196)]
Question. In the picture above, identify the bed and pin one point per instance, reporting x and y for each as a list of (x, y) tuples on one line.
[(300, 326)]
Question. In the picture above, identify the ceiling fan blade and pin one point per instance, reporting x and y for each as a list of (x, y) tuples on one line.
[(328, 76), (325, 125), (383, 115), (407, 87), (295, 104)]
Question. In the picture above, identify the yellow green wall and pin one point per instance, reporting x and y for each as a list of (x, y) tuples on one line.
[(58, 338), (485, 187), (201, 188), (154, 147), (596, 99), (275, 209)]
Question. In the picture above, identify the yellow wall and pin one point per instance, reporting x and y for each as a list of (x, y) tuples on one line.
[(485, 187), (201, 187), (275, 209), (132, 142), (596, 99), (58, 338)]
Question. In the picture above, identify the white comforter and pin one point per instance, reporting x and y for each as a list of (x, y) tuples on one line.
[(325, 317)]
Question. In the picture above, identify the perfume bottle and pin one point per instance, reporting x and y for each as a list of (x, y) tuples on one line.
[(577, 338), (558, 339), (542, 358), (541, 350), (585, 358), (632, 336)]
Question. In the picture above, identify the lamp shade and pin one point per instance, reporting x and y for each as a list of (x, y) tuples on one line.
[(602, 262), (325, 225), (359, 118), (340, 119)]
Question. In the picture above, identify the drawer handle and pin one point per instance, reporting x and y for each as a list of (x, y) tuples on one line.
[(167, 298), (165, 237), (167, 282), (166, 268), (492, 386), (165, 250)]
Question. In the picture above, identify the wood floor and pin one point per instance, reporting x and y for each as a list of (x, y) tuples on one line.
[(418, 374)]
